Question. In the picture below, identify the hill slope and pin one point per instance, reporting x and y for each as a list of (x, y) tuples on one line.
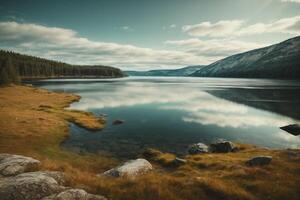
[(186, 71), (277, 61)]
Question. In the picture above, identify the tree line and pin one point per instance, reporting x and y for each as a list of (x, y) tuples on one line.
[(15, 66)]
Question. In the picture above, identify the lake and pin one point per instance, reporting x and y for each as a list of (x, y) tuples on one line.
[(170, 113)]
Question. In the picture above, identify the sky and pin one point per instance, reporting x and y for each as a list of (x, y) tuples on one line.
[(143, 34)]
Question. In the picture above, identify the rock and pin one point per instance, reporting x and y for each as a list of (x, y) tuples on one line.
[(198, 148), (15, 164), (118, 121), (103, 115), (259, 161), (291, 153), (130, 168), (222, 146), (74, 194), (31, 185), (16, 185), (293, 129), (179, 161)]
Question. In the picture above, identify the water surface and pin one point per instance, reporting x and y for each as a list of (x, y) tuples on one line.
[(171, 113)]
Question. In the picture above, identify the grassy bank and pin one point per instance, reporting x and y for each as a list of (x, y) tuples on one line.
[(33, 122)]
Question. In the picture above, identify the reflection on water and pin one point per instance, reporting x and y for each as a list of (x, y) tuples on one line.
[(171, 113)]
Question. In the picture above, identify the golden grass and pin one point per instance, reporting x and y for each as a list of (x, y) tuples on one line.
[(165, 159), (33, 122)]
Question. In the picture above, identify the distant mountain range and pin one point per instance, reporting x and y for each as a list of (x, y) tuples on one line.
[(281, 60), (276, 61), (186, 71)]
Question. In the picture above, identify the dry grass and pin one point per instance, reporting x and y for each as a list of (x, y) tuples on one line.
[(164, 159), (33, 122)]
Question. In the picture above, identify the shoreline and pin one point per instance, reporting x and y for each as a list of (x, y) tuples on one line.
[(34, 121)]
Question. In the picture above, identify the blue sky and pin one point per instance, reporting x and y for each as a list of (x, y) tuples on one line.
[(137, 34)]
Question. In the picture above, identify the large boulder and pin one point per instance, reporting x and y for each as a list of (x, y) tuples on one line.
[(222, 146), (198, 148), (31, 185), (11, 165), (74, 194), (259, 161), (293, 129), (130, 168)]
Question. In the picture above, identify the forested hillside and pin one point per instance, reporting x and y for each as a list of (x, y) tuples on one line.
[(14, 66)]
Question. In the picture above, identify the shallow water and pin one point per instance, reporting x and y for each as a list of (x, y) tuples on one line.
[(172, 113)]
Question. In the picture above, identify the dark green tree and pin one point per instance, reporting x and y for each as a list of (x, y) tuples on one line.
[(3, 76)]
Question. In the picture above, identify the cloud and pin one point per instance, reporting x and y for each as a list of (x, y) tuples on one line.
[(286, 25), (173, 26), (219, 29), (239, 28), (215, 47), (66, 45), (293, 1), (126, 28)]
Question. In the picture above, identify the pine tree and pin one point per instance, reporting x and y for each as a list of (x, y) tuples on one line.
[(3, 76), (12, 72)]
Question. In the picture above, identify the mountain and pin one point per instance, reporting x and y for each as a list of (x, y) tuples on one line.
[(15, 66), (186, 71), (276, 61)]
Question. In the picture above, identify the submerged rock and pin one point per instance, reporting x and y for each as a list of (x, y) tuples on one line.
[(259, 161), (74, 194), (222, 146), (293, 129), (31, 185), (130, 168), (118, 121), (198, 148), (15, 164)]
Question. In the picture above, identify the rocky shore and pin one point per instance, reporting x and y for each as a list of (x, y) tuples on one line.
[(20, 179), (33, 122)]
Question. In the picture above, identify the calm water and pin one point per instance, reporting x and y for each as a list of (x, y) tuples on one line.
[(171, 113)]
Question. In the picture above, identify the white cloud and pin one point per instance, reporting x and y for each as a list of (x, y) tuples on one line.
[(286, 25), (173, 26), (239, 28), (65, 45), (293, 1), (219, 29), (215, 47), (127, 28)]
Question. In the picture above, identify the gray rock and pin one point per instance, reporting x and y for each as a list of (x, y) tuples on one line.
[(222, 146), (198, 148), (130, 168), (74, 194), (293, 129), (118, 122), (259, 161), (15, 164), (31, 185)]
